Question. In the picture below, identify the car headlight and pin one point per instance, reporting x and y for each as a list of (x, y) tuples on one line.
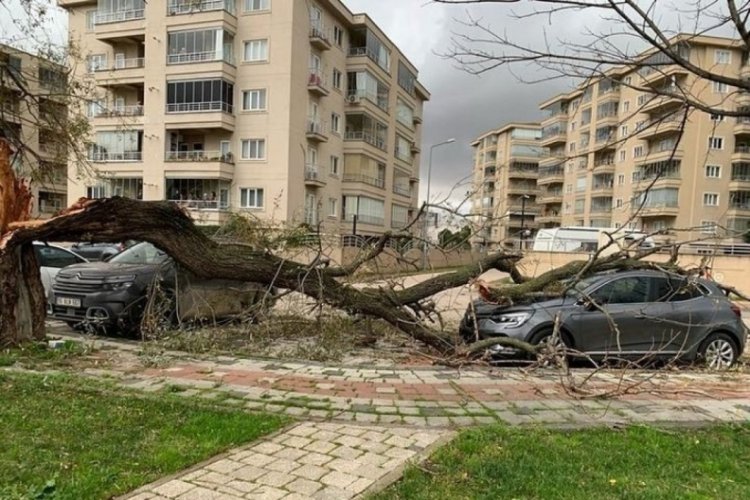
[(511, 320), (119, 282)]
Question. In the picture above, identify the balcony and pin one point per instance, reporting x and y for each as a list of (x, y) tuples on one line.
[(124, 72), (201, 11), (741, 153), (119, 115), (552, 158), (654, 75), (317, 83), (670, 209), (602, 189), (551, 219), (521, 189), (550, 197), (608, 118), (742, 125), (489, 172), (320, 37), (402, 190), (554, 175), (313, 177), (604, 165), (371, 220), (366, 137), (660, 103), (178, 7), (120, 24), (205, 197), (522, 172), (554, 134), (316, 131), (660, 127), (200, 163), (370, 180), (112, 157), (200, 115)]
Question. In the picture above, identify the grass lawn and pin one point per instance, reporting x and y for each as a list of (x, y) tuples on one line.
[(498, 462), (65, 437)]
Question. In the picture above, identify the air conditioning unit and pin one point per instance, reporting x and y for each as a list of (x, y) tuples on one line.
[(354, 99)]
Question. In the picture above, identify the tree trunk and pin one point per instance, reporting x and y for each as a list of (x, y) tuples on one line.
[(22, 301)]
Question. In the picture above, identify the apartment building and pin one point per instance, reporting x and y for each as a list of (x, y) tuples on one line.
[(292, 111), (505, 196), (619, 155), (37, 123)]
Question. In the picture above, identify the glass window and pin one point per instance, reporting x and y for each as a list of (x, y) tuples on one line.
[(200, 95), (675, 290), (333, 207), (90, 20), (406, 79), (54, 257), (251, 198), (257, 5), (256, 50), (631, 290), (142, 253), (334, 165), (253, 149), (254, 100), (722, 56), (713, 171)]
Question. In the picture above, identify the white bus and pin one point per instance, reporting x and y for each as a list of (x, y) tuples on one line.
[(587, 239)]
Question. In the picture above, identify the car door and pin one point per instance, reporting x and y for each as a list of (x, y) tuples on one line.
[(687, 314), (51, 260), (609, 319)]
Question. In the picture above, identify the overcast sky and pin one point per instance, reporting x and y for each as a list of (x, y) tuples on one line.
[(462, 105)]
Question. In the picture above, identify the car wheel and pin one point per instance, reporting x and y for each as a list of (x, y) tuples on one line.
[(75, 325), (551, 343), (718, 351)]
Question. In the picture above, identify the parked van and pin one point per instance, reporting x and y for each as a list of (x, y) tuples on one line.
[(587, 239)]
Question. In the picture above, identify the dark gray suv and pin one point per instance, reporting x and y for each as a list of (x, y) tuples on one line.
[(655, 313)]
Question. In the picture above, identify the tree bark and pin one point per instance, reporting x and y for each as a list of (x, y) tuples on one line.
[(22, 300)]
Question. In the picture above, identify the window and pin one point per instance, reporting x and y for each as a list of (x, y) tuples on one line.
[(334, 165), (624, 131), (54, 257), (675, 290), (251, 198), (405, 114), (569, 188), (333, 207), (337, 79), (336, 123), (618, 203), (711, 199), (637, 151), (626, 106), (632, 290), (580, 184), (200, 95), (253, 149), (720, 88), (572, 126), (572, 147), (406, 79), (90, 20), (717, 117), (708, 227), (257, 5), (623, 155), (256, 50), (190, 46), (338, 36), (722, 56), (96, 62), (715, 143), (254, 100), (627, 80), (713, 171), (620, 179)]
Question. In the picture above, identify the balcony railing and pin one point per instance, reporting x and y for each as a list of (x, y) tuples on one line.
[(367, 179), (129, 63), (193, 57), (197, 107), (402, 190), (199, 156), (188, 6), (123, 156), (403, 154), (120, 16), (312, 172), (317, 78), (741, 177), (366, 219), (742, 148), (202, 204), (119, 111), (368, 137)]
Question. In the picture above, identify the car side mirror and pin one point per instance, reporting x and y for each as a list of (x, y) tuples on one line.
[(588, 303)]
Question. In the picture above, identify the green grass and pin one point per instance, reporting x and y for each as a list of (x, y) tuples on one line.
[(65, 437), (638, 463), (39, 352)]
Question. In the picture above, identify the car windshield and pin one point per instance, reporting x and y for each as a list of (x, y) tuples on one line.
[(576, 289), (142, 253)]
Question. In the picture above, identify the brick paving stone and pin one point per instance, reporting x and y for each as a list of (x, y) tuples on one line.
[(345, 466), (224, 466), (304, 486), (315, 459), (247, 473), (266, 493), (275, 479), (346, 452), (311, 472), (282, 465), (320, 447), (290, 453), (333, 493), (173, 489), (338, 479)]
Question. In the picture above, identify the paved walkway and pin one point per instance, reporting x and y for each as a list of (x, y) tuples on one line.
[(307, 461), (365, 423)]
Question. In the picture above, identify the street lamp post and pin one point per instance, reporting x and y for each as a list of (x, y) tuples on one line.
[(427, 201)]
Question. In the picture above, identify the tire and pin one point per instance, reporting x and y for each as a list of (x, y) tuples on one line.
[(545, 336), (719, 351), (75, 325)]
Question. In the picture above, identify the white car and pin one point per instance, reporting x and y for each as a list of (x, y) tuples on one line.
[(52, 258)]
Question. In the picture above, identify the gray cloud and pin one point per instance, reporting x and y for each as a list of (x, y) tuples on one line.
[(463, 105)]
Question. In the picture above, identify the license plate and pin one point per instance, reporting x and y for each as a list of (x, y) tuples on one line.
[(68, 301)]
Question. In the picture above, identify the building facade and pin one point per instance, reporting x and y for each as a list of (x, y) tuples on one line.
[(292, 111), (33, 113), (505, 196), (621, 153)]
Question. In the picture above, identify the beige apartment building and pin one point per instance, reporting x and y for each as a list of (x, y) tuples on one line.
[(615, 156), (293, 111), (37, 123), (506, 165)]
